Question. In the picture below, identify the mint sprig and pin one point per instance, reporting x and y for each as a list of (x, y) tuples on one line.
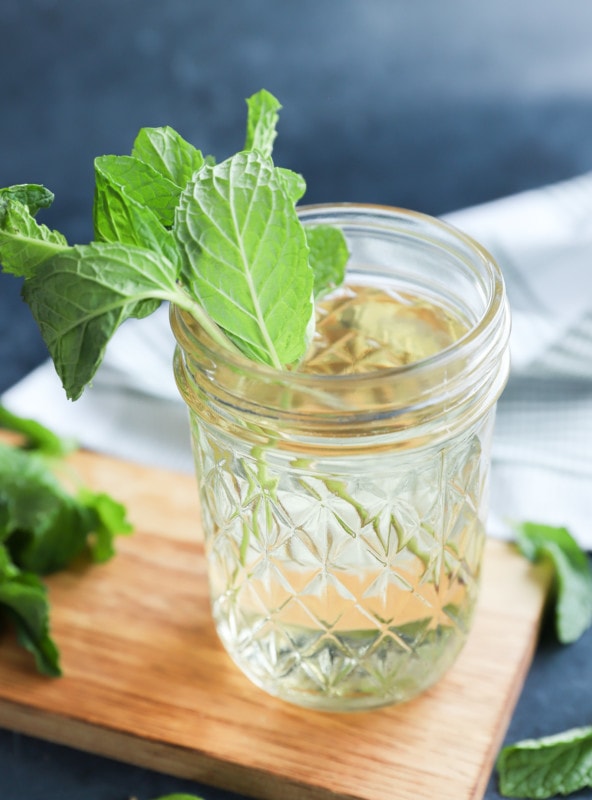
[(221, 241), (23, 601), (36, 436), (572, 578), (552, 765), (562, 763), (44, 526)]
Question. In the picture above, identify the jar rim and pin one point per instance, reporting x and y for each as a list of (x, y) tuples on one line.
[(370, 212)]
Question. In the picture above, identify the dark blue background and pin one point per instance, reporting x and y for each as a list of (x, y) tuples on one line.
[(429, 104)]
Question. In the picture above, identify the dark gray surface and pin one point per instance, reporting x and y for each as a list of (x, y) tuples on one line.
[(430, 104)]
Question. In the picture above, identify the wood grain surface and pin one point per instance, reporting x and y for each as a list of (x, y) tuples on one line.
[(147, 682)]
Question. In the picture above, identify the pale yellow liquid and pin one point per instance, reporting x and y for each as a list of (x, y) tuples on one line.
[(364, 328), (349, 583)]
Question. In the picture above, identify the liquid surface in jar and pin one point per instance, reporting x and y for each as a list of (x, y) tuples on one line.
[(362, 328)]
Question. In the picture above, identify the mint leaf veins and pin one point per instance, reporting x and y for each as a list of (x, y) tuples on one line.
[(235, 221), (552, 765), (221, 241)]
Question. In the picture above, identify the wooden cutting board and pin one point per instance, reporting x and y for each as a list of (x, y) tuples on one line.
[(147, 682)]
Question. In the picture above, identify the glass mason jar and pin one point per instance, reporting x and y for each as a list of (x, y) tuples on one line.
[(344, 513)]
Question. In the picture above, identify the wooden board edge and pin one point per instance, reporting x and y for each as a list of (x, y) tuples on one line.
[(175, 761), (506, 713)]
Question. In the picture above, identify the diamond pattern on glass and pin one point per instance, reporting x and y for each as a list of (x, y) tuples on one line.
[(317, 594)]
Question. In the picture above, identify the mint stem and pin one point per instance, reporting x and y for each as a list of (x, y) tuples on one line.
[(207, 323)]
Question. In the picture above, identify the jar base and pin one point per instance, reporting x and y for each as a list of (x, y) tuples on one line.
[(349, 672)]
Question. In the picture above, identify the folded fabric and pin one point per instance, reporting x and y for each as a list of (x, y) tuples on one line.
[(542, 451)]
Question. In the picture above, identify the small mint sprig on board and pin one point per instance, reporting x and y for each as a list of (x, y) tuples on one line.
[(560, 764), (222, 241), (43, 528)]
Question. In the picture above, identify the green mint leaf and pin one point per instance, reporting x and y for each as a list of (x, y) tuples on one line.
[(42, 525), (24, 244), (31, 195), (118, 218), (80, 297), (262, 118), (110, 521), (37, 436), (23, 599), (168, 153), (180, 797), (547, 767), (293, 183), (245, 257), (140, 182), (237, 244), (328, 257), (573, 577)]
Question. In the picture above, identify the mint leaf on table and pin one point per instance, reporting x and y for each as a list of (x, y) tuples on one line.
[(43, 525), (547, 767), (39, 522), (109, 521), (23, 600), (37, 436), (245, 257), (572, 575), (180, 797)]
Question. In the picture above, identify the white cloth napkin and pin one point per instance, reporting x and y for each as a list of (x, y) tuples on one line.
[(542, 453)]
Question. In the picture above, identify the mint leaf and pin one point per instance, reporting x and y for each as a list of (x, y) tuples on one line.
[(118, 218), (81, 296), (293, 183), (229, 232), (245, 257), (573, 577), (23, 599), (42, 524), (180, 797), (37, 436), (547, 767), (110, 520), (140, 182), (31, 195), (24, 244), (328, 257), (262, 119), (168, 153), (43, 527)]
